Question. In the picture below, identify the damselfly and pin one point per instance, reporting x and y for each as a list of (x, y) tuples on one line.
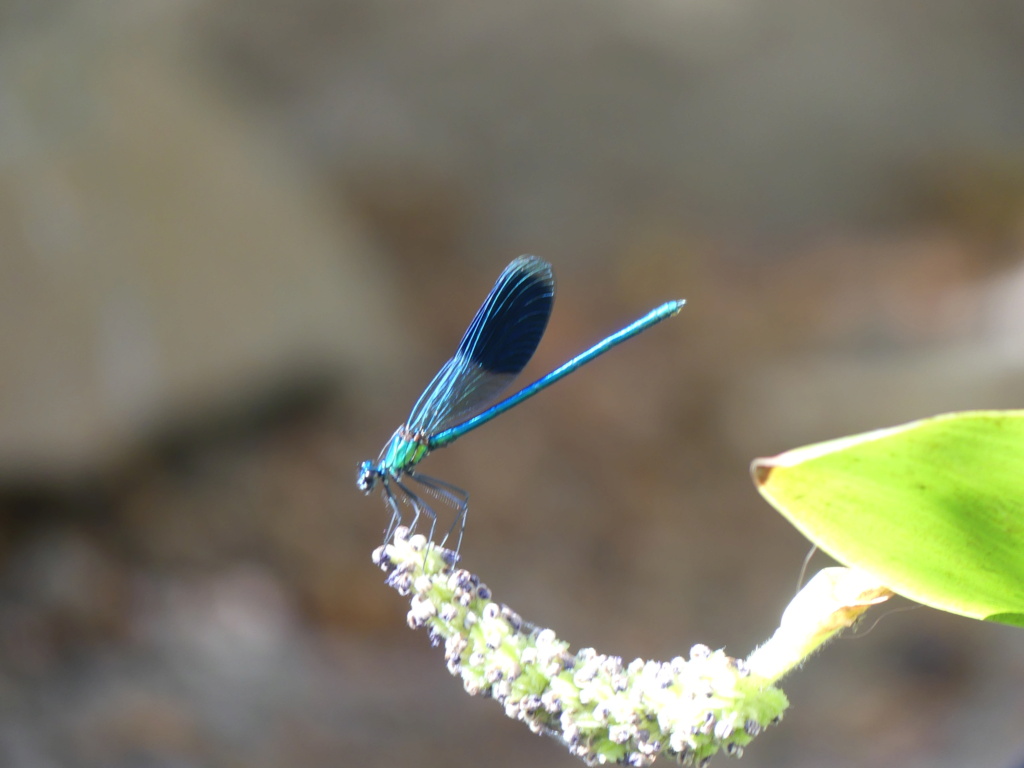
[(497, 345)]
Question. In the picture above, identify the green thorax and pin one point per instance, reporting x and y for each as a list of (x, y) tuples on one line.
[(404, 451)]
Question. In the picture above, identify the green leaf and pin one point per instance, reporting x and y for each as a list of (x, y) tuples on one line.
[(934, 509)]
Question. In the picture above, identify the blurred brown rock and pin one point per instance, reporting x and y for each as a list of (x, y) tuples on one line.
[(159, 252)]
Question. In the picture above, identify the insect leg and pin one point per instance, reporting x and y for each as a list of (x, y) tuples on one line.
[(418, 505), (453, 495), (396, 513)]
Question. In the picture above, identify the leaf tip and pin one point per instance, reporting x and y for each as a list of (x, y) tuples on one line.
[(761, 470)]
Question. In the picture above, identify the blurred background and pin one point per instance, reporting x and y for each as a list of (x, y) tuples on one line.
[(238, 238)]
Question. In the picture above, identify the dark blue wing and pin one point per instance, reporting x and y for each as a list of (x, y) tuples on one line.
[(507, 328), (497, 345)]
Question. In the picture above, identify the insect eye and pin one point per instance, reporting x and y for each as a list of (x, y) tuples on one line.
[(367, 477)]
